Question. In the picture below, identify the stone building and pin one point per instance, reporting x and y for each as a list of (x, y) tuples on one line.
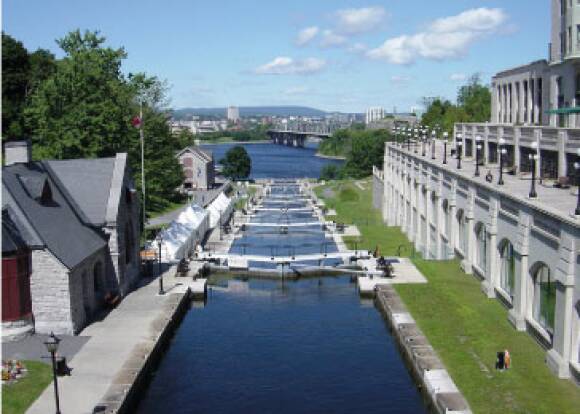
[(524, 250), (544, 92), (198, 168), (80, 219)]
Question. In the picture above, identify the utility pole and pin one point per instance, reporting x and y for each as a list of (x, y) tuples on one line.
[(142, 160)]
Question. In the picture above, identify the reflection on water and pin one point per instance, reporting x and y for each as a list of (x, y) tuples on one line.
[(307, 346)]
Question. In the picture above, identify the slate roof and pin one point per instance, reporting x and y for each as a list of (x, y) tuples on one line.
[(205, 154), (88, 181), (59, 224)]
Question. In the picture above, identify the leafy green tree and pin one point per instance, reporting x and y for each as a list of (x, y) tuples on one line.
[(475, 99), (15, 69), (368, 149), (237, 164), (330, 172)]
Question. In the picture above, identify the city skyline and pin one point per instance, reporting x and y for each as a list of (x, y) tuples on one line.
[(339, 56)]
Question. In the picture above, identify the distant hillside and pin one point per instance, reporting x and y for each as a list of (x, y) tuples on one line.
[(251, 111)]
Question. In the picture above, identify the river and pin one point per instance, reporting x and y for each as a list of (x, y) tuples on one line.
[(278, 161)]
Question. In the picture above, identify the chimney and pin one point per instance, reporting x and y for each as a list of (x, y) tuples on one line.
[(17, 152)]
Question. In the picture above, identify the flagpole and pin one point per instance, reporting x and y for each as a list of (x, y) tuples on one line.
[(142, 160)]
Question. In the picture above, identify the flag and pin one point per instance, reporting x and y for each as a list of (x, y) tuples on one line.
[(136, 122)]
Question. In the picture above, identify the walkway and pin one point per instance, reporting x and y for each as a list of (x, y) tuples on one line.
[(129, 331)]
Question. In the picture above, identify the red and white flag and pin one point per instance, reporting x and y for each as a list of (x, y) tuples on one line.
[(136, 122)]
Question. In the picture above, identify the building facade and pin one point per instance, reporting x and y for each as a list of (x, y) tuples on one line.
[(198, 168), (233, 114), (80, 221), (544, 92), (525, 252), (374, 114)]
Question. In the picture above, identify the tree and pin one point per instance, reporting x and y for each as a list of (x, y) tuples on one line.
[(475, 99), (330, 172), (237, 164), (84, 108), (15, 69)]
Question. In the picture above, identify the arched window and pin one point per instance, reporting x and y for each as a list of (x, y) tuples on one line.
[(481, 253), (461, 228), (508, 268), (446, 221), (544, 304)]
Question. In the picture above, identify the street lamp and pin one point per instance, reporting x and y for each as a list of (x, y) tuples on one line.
[(52, 346), (577, 167), (416, 136), (533, 157), (477, 149), (433, 140), (502, 151), (423, 143), (159, 242), (408, 141), (459, 148), (445, 135)]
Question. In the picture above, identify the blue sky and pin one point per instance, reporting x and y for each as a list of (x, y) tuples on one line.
[(333, 55)]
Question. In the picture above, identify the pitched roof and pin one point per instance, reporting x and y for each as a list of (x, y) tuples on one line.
[(57, 222), (88, 181), (204, 154)]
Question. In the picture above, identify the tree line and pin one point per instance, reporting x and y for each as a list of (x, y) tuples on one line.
[(364, 148), (83, 105)]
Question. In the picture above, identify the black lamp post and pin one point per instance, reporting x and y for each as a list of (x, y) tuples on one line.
[(502, 151), (408, 141), (477, 149), (159, 242), (423, 144), (577, 167), (459, 148), (52, 346), (445, 135), (433, 140), (416, 136), (533, 157)]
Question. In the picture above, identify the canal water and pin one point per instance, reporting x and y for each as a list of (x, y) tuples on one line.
[(280, 346), (278, 161)]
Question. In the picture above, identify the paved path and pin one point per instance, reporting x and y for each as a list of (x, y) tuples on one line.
[(32, 347), (112, 342)]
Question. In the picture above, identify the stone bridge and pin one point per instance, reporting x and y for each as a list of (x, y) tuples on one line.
[(294, 138)]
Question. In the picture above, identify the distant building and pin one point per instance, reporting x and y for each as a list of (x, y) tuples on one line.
[(79, 219), (374, 114), (544, 92), (233, 114), (392, 120), (198, 168)]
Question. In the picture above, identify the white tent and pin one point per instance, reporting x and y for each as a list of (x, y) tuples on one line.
[(222, 207), (180, 237)]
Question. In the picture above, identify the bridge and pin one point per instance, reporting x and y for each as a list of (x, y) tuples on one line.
[(294, 138)]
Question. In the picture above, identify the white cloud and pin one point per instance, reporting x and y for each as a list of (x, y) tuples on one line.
[(331, 39), (365, 19), (458, 77), (446, 38), (357, 48), (474, 20), (284, 65), (306, 35)]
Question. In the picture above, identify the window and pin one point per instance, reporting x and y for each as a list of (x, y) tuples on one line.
[(544, 304), (481, 236), (508, 268)]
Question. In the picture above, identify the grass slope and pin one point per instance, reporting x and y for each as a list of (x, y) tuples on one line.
[(464, 327)]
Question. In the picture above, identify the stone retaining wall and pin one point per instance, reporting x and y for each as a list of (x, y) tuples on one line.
[(425, 366)]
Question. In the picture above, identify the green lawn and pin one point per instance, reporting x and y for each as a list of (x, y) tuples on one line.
[(16, 398), (465, 327), (157, 210)]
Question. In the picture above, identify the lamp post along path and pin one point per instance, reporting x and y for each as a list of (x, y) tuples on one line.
[(52, 347)]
